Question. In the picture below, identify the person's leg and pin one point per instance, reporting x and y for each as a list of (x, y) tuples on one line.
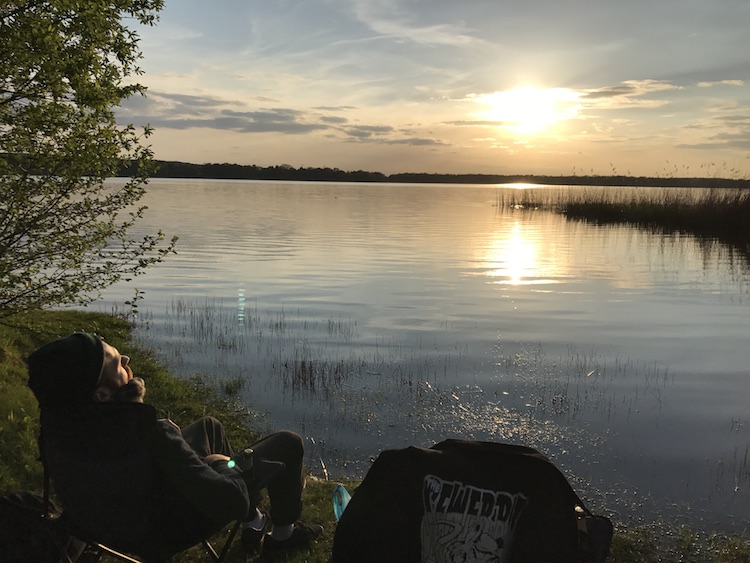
[(206, 436), (285, 487)]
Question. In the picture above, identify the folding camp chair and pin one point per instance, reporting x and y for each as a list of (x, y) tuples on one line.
[(105, 491), (78, 550)]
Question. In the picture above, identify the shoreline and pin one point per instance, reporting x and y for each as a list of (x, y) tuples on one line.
[(211, 171), (184, 400)]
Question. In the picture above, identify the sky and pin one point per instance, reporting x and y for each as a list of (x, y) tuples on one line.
[(583, 87)]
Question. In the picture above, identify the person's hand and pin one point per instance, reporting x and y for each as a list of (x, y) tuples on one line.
[(209, 459), (171, 422), (132, 392)]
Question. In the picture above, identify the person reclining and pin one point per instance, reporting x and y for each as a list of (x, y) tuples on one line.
[(195, 491)]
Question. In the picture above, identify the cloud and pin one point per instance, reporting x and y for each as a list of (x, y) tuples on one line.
[(730, 119), (728, 127), (387, 19), (736, 141), (367, 131), (184, 111), (417, 141), (243, 124), (189, 101), (720, 83), (477, 123), (333, 108), (628, 94), (333, 119), (387, 135), (166, 110)]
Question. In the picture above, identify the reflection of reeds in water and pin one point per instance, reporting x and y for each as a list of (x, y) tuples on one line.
[(216, 332), (580, 385), (587, 387), (709, 214), (312, 375), (319, 356), (211, 323), (421, 392)]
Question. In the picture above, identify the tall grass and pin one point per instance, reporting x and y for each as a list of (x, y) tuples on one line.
[(714, 214)]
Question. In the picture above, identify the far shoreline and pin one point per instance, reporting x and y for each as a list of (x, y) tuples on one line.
[(225, 171)]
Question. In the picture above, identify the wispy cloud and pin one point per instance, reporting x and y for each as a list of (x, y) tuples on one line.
[(164, 110), (720, 83), (721, 141), (389, 19), (628, 94), (368, 131), (418, 142), (724, 127), (181, 111)]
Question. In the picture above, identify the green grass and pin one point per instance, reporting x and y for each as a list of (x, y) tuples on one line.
[(186, 400), (667, 543)]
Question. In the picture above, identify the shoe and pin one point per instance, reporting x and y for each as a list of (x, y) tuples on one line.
[(302, 536), (252, 541)]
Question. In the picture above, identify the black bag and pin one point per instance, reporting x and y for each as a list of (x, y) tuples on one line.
[(28, 531), (468, 501)]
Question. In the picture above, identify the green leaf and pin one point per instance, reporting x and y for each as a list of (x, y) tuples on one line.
[(63, 66)]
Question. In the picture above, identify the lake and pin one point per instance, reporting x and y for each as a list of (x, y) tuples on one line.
[(376, 316)]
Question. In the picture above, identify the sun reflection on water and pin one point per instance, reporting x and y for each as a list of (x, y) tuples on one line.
[(513, 257)]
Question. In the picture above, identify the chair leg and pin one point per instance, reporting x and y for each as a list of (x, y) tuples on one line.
[(77, 551), (211, 551), (113, 552), (227, 544)]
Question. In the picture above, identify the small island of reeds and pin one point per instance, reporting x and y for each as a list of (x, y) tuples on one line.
[(711, 215)]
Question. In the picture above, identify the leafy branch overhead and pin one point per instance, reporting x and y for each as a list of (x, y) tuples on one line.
[(65, 227)]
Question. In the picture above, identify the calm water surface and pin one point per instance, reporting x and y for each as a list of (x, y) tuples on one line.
[(369, 316)]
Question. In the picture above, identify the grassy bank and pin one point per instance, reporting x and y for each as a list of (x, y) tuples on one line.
[(181, 400), (186, 400), (711, 215)]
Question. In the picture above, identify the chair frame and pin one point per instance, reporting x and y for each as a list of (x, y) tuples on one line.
[(217, 557), (269, 470)]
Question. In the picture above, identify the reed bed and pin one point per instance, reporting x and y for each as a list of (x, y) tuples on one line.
[(711, 215)]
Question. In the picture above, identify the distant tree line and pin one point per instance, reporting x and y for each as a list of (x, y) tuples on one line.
[(170, 169), (226, 171)]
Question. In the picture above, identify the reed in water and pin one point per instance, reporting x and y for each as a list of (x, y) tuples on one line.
[(710, 214)]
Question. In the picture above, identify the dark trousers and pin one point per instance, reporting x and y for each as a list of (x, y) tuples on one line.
[(206, 436)]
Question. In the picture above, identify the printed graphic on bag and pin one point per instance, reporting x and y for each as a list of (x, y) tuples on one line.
[(465, 523)]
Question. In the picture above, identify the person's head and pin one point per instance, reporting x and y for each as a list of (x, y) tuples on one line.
[(116, 381), (80, 369)]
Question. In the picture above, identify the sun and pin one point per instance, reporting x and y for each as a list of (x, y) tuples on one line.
[(527, 109)]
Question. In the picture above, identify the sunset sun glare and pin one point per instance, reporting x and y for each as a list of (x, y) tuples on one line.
[(528, 110)]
